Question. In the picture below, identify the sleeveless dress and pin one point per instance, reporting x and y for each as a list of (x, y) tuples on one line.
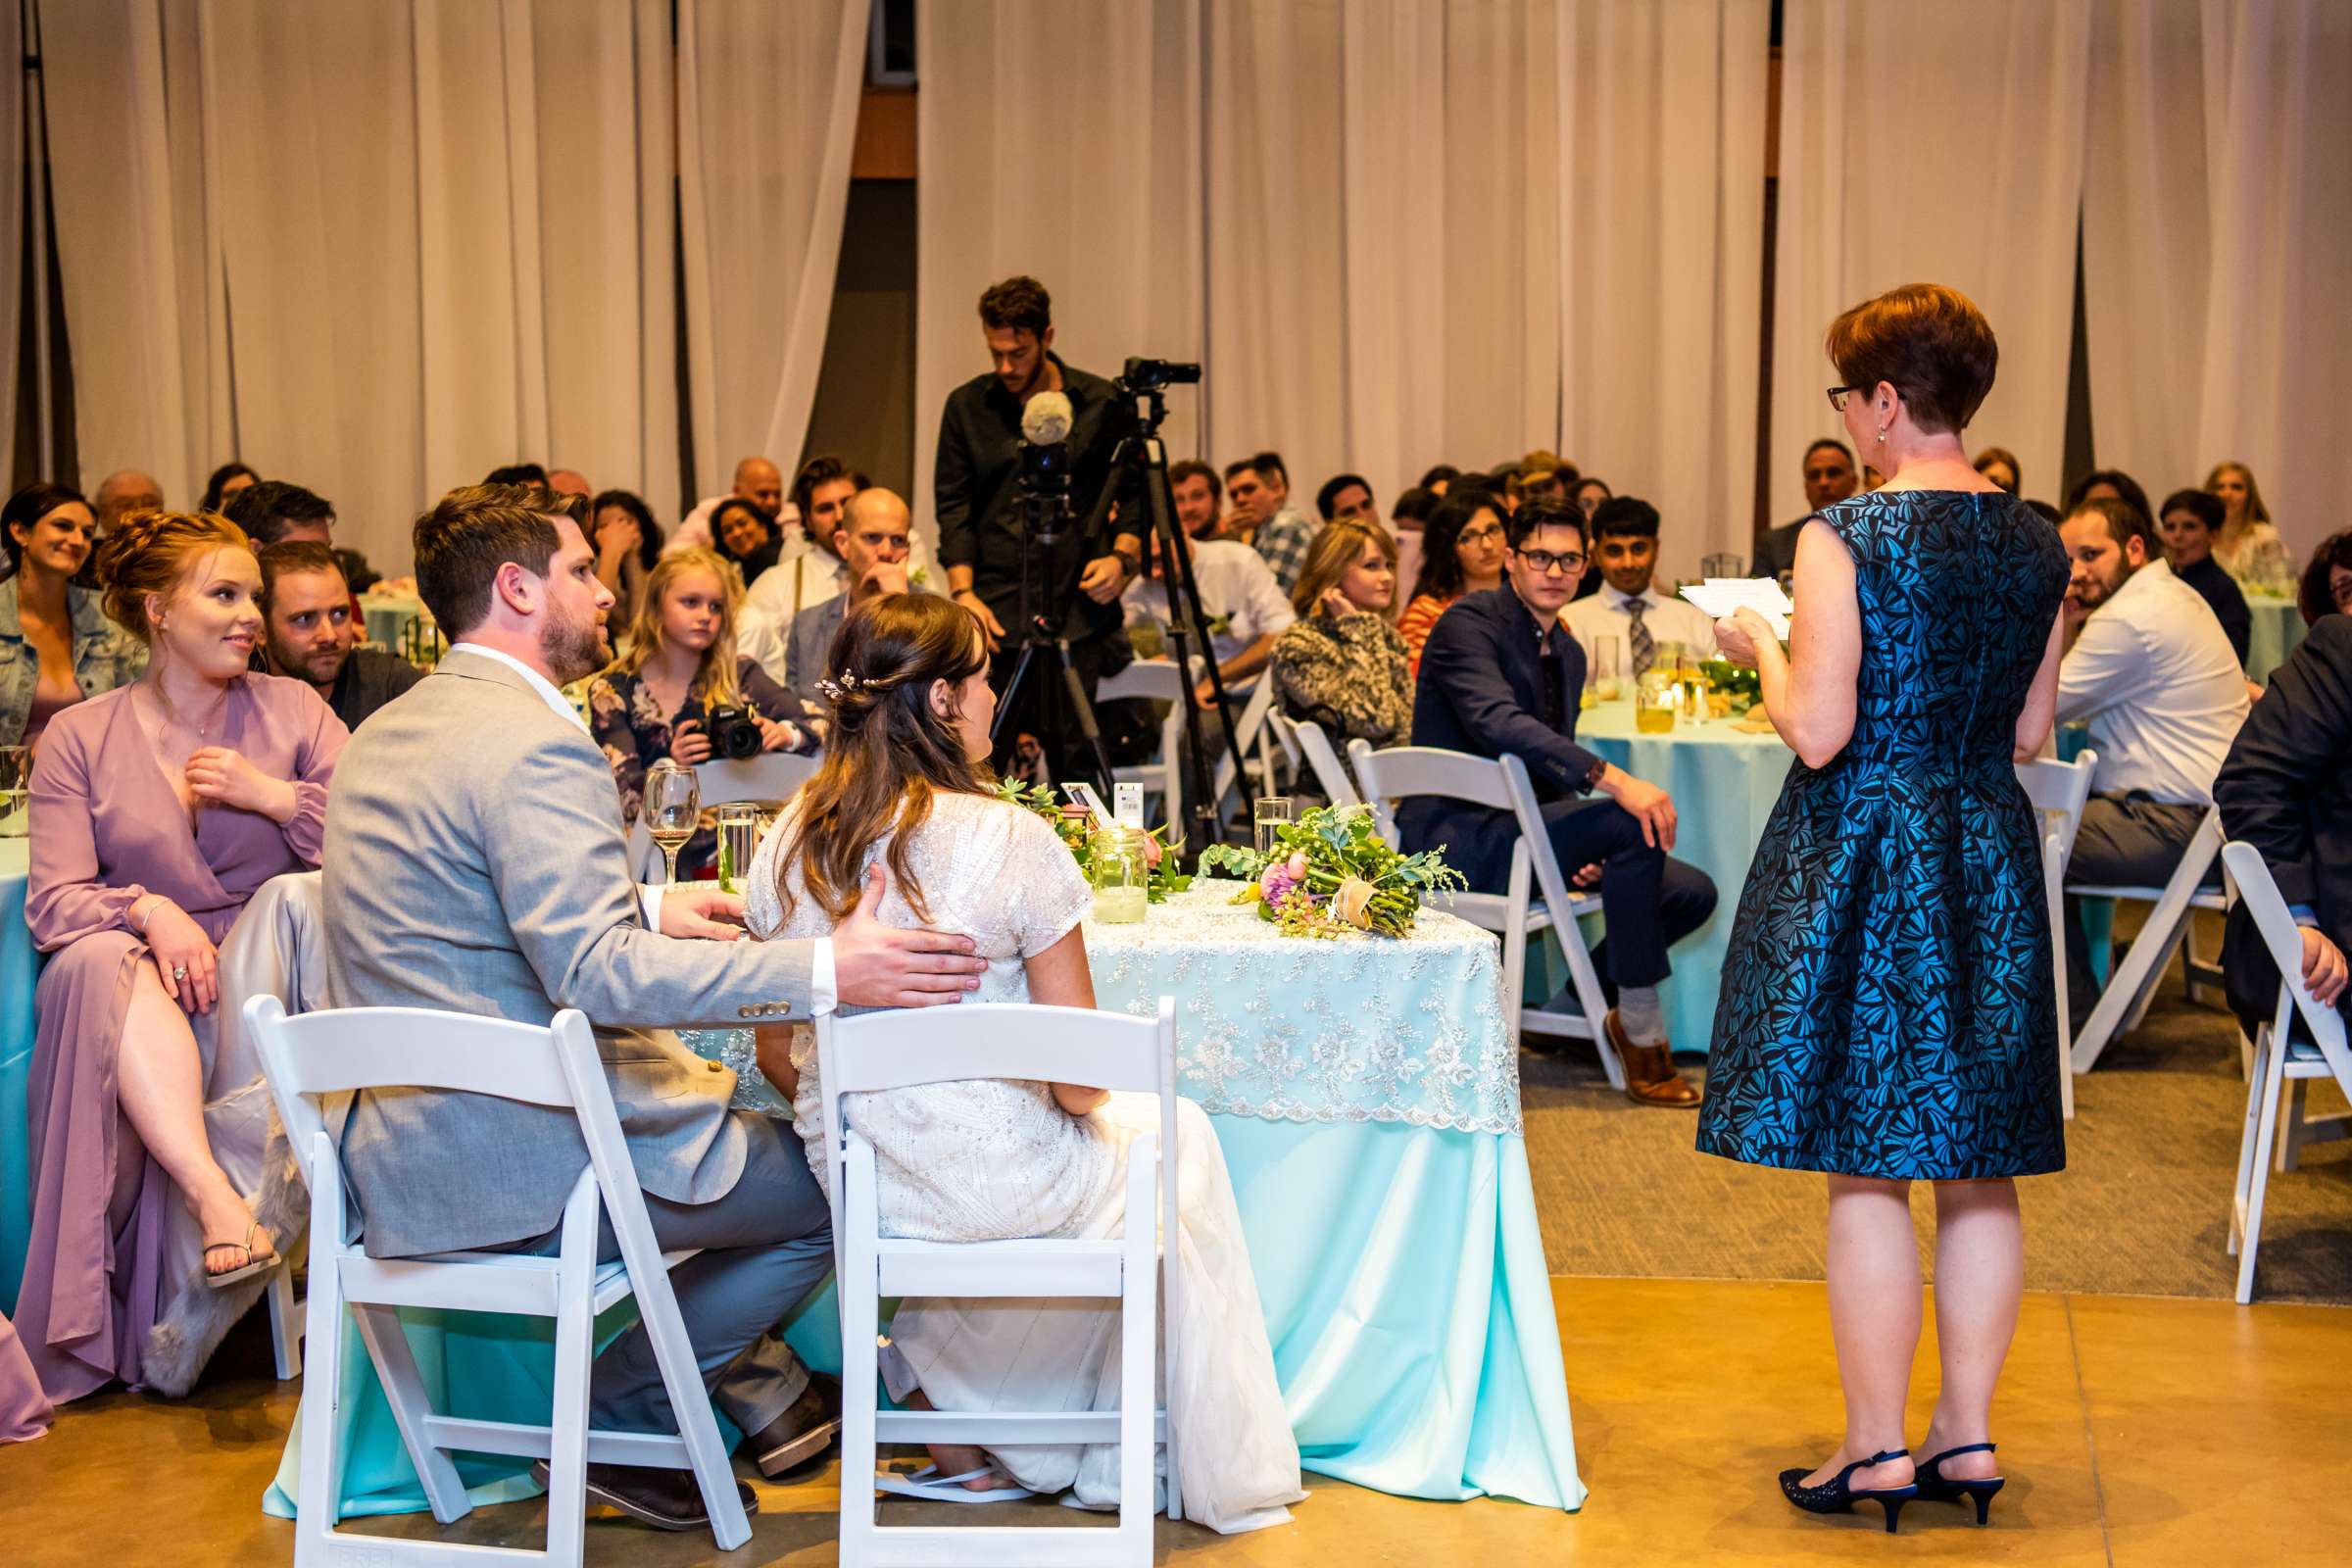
[(990, 1158), (1888, 1007)]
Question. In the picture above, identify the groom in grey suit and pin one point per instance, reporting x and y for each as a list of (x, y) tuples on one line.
[(475, 862)]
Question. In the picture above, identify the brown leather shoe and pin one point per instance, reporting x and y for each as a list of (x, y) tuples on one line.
[(1649, 1075), (802, 1433), (666, 1500)]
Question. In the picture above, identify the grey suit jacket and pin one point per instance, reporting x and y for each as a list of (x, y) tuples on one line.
[(806, 648), (475, 862)]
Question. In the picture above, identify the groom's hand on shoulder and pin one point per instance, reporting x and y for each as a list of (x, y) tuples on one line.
[(877, 965), (701, 910)]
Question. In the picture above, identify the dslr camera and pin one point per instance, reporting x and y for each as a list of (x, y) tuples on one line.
[(734, 733)]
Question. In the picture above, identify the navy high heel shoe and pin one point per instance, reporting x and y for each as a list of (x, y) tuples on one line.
[(1839, 1494), (1936, 1487)]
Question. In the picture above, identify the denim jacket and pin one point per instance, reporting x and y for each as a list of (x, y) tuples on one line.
[(104, 656)]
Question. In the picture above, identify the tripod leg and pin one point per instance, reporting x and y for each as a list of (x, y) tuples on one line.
[(1084, 707)]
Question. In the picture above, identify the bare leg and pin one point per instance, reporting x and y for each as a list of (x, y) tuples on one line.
[(958, 1458), (160, 1082), (1874, 1316), (1980, 1275)]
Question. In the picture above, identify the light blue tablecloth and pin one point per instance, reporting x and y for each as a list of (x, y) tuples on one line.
[(2276, 631), (388, 616), (1384, 1188), (18, 966), (1724, 782)]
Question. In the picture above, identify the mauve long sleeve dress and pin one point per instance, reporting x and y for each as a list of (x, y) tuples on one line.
[(107, 828)]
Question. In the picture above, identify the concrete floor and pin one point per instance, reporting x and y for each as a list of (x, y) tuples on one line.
[(2134, 1431)]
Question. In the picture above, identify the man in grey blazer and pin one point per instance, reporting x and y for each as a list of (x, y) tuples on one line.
[(475, 862)]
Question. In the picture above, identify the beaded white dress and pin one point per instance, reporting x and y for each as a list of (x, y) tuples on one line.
[(993, 1159)]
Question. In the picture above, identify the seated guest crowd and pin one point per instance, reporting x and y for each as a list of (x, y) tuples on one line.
[(194, 688)]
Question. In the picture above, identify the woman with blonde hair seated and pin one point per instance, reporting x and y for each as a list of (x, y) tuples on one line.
[(1341, 664), (159, 809), (678, 668), (906, 783), (2248, 546)]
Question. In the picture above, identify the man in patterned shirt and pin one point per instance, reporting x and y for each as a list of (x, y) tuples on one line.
[(1260, 486)]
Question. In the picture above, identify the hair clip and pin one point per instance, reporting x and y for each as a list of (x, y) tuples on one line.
[(833, 690)]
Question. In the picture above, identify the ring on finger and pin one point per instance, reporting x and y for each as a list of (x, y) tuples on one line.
[(179, 971)]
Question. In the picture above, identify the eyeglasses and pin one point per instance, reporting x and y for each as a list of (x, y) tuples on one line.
[(1478, 536), (1543, 563), (1838, 395)]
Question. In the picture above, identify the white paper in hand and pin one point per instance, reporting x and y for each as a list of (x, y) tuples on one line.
[(1720, 596)]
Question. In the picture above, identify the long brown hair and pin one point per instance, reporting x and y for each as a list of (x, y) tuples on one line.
[(715, 677), (889, 754), (1339, 546)]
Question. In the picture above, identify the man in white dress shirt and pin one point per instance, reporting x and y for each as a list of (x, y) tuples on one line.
[(1246, 606), (2149, 666), (1627, 608), (809, 569)]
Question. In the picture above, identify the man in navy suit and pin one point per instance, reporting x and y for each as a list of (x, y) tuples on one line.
[(1500, 674)]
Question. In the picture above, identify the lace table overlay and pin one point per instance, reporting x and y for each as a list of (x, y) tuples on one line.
[(1290, 1029)]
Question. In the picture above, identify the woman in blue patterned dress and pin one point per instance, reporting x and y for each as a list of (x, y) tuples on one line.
[(1888, 1011)]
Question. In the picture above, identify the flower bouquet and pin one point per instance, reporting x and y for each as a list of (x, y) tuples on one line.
[(1332, 872), (1076, 827)]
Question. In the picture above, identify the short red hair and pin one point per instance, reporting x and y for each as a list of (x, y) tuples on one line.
[(1930, 342)]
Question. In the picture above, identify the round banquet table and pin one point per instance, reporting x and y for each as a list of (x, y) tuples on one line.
[(1725, 781), (18, 964), (1366, 1097), (2278, 629)]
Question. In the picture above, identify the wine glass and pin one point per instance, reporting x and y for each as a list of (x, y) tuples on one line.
[(674, 807)]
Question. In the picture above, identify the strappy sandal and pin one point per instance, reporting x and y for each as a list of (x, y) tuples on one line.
[(252, 1265)]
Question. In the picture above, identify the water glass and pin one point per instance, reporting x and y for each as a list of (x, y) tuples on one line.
[(1272, 815), (1723, 567), (16, 778), (1608, 668), (738, 842)]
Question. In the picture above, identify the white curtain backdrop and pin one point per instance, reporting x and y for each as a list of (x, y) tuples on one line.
[(1057, 138), (1923, 144), (2216, 224), (1662, 236), (767, 113), (382, 249)]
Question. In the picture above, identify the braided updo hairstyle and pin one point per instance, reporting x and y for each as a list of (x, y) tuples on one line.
[(153, 552), (887, 754)]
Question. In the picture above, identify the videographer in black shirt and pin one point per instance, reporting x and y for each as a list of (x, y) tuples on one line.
[(983, 537)]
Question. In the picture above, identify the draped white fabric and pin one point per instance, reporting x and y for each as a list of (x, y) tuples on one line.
[(1662, 236), (767, 105), (382, 249), (1057, 138), (1921, 144), (2216, 219), (1376, 225)]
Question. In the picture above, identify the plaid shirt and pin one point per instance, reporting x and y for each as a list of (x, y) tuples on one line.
[(1283, 540)]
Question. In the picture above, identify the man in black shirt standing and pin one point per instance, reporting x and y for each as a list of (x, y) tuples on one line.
[(983, 538)]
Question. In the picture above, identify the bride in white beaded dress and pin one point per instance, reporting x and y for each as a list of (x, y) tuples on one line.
[(904, 782)]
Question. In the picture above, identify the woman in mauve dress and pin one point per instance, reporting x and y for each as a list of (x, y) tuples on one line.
[(158, 808)]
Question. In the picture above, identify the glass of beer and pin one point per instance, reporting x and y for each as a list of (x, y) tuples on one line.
[(1657, 701)]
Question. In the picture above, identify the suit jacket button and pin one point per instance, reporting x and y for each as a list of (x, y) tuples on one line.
[(743, 1012), (784, 1008)]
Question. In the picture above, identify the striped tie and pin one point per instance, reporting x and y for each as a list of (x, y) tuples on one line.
[(1638, 641)]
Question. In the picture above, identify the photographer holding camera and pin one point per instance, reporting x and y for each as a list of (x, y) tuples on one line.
[(680, 690), (988, 545)]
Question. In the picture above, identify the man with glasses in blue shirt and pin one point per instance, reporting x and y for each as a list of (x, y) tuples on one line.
[(1500, 674)]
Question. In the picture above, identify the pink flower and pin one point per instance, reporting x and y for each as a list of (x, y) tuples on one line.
[(1297, 866), (1275, 882)]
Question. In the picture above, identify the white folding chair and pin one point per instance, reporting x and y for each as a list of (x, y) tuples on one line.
[(885, 1050), (2278, 1061), (769, 777), (331, 1054), (1305, 738), (1155, 680), (1254, 739), (1502, 784), (2057, 790), (2132, 986)]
